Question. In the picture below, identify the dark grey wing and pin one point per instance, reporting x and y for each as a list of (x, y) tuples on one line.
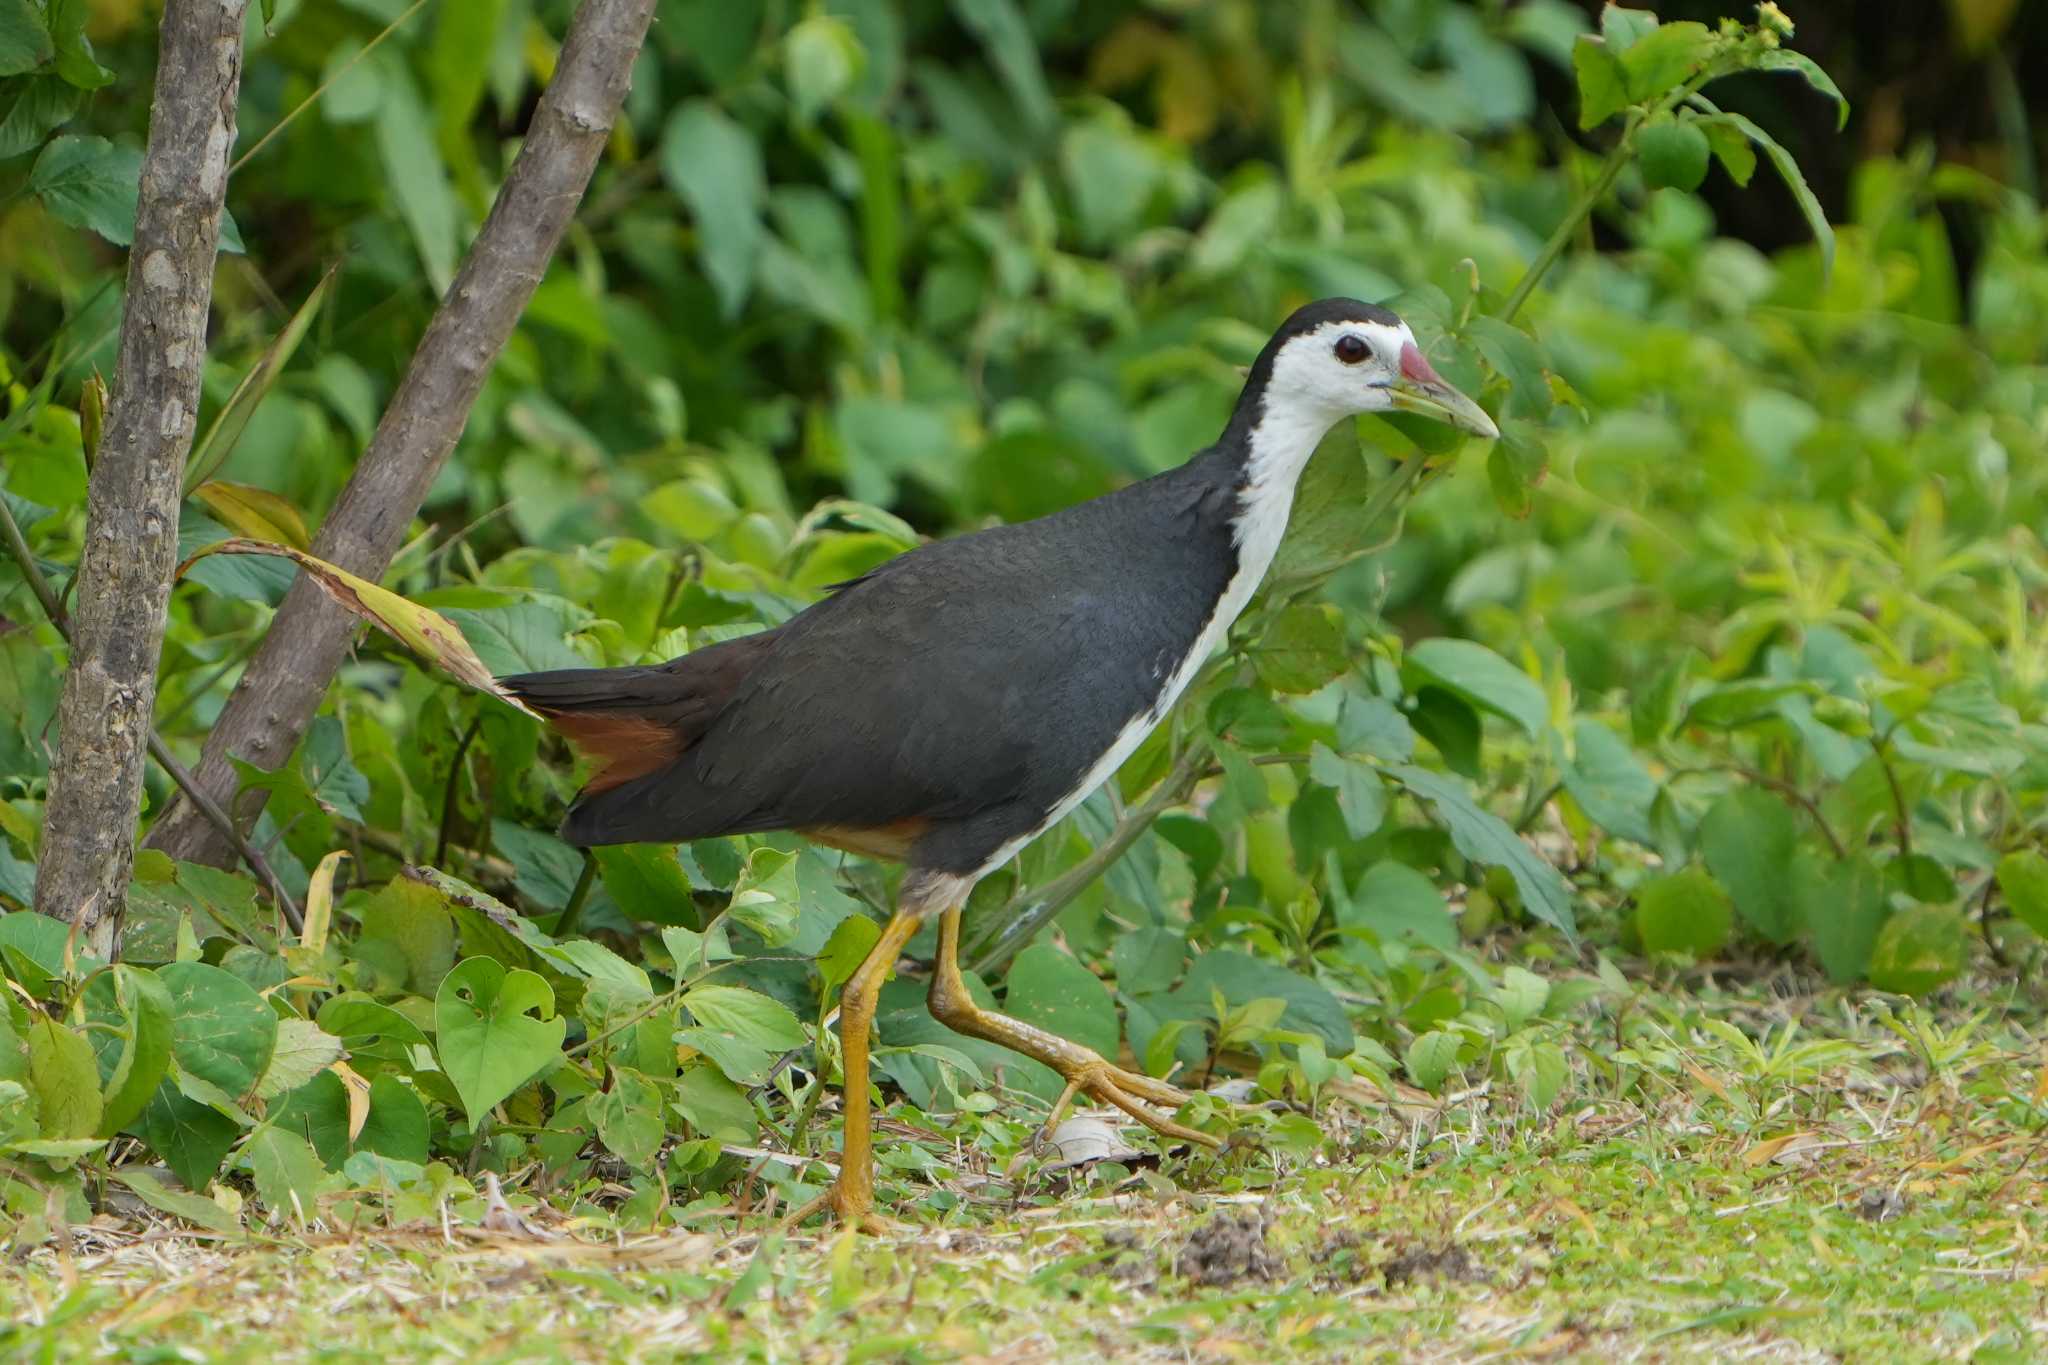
[(972, 677)]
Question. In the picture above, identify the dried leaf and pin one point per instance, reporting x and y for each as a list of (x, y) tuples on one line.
[(427, 633)]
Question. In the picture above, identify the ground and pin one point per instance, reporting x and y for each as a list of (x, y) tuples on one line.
[(1843, 1190)]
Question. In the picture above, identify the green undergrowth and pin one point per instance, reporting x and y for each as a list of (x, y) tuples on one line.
[(1806, 1178)]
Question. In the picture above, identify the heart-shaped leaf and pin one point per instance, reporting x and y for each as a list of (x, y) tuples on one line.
[(495, 1031)]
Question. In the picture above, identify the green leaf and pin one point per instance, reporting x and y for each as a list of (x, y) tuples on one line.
[(414, 919), (1396, 902), (714, 166), (75, 60), (1784, 59), (629, 1118), (1520, 996), (1610, 783), (1486, 838), (749, 1015), (287, 1173), (318, 1112), (1653, 710), (2023, 878), (1147, 960), (455, 74), (1621, 28), (1540, 1069), (765, 897), (221, 1030), (820, 59), (848, 947), (527, 637), (33, 947), (64, 1078), (1303, 649), (494, 1031), (1006, 37), (195, 1209), (1047, 987), (1728, 706), (647, 882), (1844, 906), (190, 1137), (1918, 949), (1747, 838), (134, 1041), (1665, 58), (353, 1016), (1242, 979), (1795, 181), (1431, 1058), (1673, 154), (1327, 529), (1731, 147), (1474, 672), (397, 1126), (1375, 726), (417, 177), (1361, 796), (30, 106), (91, 183), (1684, 912), (1602, 89), (1450, 723), (714, 1107), (24, 43), (303, 1051)]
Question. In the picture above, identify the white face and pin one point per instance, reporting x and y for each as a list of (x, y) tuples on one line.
[(1340, 369)]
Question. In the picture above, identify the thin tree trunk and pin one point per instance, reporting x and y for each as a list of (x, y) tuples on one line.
[(274, 702), (131, 543)]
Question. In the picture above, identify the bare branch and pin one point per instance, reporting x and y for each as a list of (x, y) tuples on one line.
[(278, 694), (124, 577)]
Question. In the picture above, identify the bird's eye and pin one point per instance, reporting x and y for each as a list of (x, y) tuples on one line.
[(1352, 349)]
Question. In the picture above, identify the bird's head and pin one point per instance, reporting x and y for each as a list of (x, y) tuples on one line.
[(1341, 358)]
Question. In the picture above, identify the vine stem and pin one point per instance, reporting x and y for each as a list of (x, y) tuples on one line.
[(1569, 227)]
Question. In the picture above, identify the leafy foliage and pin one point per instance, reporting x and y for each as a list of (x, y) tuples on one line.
[(1728, 648)]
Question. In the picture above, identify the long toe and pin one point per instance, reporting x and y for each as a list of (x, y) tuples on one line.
[(1128, 1091)]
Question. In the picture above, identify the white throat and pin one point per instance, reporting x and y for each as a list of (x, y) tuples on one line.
[(1286, 436)]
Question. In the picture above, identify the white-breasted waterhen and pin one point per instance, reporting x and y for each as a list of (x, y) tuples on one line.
[(950, 706)]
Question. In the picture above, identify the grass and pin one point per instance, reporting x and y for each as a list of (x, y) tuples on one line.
[(1818, 1185)]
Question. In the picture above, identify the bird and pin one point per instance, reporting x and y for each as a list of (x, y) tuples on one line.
[(953, 704)]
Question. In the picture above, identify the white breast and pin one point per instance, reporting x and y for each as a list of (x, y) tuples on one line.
[(1281, 445)]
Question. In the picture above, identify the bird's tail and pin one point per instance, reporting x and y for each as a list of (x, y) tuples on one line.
[(623, 718), (637, 723)]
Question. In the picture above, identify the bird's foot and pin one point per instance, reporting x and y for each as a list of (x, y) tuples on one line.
[(852, 1205), (1131, 1091)]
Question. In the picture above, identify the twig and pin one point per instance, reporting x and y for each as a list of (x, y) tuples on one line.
[(454, 782), (281, 690), (17, 545)]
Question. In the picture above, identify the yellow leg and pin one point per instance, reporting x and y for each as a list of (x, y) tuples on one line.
[(1085, 1072), (852, 1195)]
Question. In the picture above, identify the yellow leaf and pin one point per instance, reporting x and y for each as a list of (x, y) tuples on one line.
[(320, 903), (1761, 1152), (1699, 1074), (427, 633), (358, 1097), (254, 512)]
